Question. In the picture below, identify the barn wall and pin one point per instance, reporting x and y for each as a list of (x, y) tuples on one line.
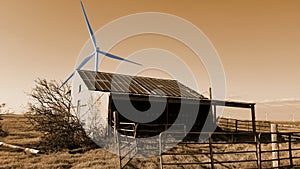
[(95, 115), (91, 107), (80, 93)]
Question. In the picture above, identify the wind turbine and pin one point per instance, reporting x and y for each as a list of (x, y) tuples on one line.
[(96, 51)]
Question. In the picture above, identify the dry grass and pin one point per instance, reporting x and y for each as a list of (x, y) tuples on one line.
[(21, 134)]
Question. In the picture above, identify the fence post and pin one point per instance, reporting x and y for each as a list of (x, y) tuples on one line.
[(119, 150), (248, 125), (275, 151), (184, 128), (211, 152), (236, 126), (115, 114), (160, 151), (290, 151), (227, 123), (258, 151)]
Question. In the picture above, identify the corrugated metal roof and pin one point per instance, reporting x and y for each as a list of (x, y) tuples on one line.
[(110, 82)]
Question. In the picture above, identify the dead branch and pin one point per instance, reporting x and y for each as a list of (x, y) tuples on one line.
[(26, 150)]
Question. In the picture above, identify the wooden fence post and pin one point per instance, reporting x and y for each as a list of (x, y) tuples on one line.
[(258, 151), (160, 151), (215, 114), (275, 152), (211, 152), (290, 151), (115, 114), (253, 120), (248, 125), (236, 126)]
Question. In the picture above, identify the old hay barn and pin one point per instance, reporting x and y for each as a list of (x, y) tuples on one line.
[(98, 94)]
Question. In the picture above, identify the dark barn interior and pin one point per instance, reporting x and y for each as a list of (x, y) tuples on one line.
[(186, 114)]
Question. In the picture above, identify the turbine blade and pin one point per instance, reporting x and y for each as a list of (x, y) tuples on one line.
[(92, 36), (117, 57), (71, 75), (85, 60)]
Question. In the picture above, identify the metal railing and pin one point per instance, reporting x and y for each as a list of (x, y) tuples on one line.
[(240, 149), (235, 125), (242, 125), (125, 134), (218, 151), (205, 153), (284, 152), (127, 149)]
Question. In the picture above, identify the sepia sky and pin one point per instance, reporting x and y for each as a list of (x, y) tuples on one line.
[(257, 41)]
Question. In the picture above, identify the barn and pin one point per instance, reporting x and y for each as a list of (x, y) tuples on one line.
[(142, 100)]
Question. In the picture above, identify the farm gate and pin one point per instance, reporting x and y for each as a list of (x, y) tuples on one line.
[(224, 149)]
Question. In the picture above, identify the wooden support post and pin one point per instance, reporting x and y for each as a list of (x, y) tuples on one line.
[(213, 108), (160, 151), (167, 116), (211, 153), (210, 98), (115, 114), (275, 155), (258, 151), (184, 130), (227, 123), (256, 137), (119, 151), (253, 121), (248, 125), (290, 151), (236, 126), (110, 120), (215, 114)]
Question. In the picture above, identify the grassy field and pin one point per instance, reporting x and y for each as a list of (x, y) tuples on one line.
[(20, 133)]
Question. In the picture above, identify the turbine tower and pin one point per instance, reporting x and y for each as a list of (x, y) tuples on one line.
[(96, 51)]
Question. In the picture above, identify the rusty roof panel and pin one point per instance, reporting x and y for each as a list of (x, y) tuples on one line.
[(102, 81)]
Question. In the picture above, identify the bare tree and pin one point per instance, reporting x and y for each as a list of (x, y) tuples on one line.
[(4, 109), (51, 113)]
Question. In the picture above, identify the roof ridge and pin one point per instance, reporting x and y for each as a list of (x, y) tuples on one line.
[(128, 75)]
